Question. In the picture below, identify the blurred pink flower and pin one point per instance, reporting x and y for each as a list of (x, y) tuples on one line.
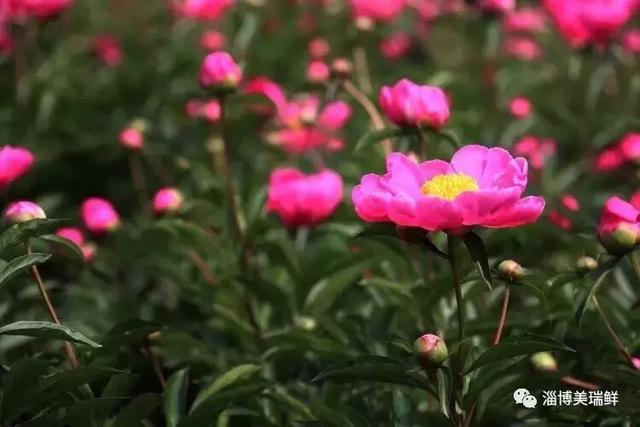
[(318, 71), (524, 21), (409, 104), (107, 48), (39, 9), (480, 187), (635, 199), (23, 211), (131, 138), (630, 147), (6, 41), (73, 234), (570, 202), (522, 48), (378, 10), (560, 221), (318, 48), (396, 45), (498, 6), (535, 150), (14, 163), (520, 107), (631, 41), (619, 229), (202, 10), (427, 9), (267, 88), (219, 69), (303, 200), (609, 159), (167, 200), (636, 362), (213, 40), (99, 216)]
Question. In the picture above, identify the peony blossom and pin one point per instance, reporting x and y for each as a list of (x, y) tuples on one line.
[(535, 150), (318, 71), (480, 187), (99, 216), (377, 10), (202, 10), (213, 40), (570, 203), (430, 350), (629, 147), (409, 104), (630, 41), (167, 200), (219, 69), (522, 48), (107, 48), (23, 211), (520, 107), (131, 138), (395, 46), (39, 9), (75, 235), (14, 163), (427, 9), (524, 21), (619, 226), (609, 159), (498, 6), (6, 41), (318, 48), (303, 200), (635, 200), (267, 88)]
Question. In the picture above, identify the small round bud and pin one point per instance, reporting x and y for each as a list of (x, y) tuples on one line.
[(307, 323), (510, 270), (363, 23), (23, 211), (585, 264), (342, 67), (636, 362), (167, 200), (544, 362), (430, 351), (620, 240)]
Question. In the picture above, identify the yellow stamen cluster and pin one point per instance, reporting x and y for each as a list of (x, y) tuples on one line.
[(449, 186)]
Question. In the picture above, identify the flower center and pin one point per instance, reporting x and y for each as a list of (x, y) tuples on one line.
[(449, 186)]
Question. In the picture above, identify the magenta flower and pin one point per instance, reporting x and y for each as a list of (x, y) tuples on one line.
[(318, 48), (219, 69), (609, 159), (318, 71), (480, 187), (202, 10), (302, 200), (6, 41), (107, 48), (14, 163), (409, 104), (23, 211), (535, 150), (524, 21), (629, 147), (630, 41), (269, 89), (131, 138), (520, 107), (522, 48), (167, 200), (99, 216), (395, 46), (619, 226), (378, 10), (213, 40), (498, 6), (73, 234), (40, 9)]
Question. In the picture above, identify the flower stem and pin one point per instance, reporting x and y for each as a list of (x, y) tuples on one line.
[(371, 110), (618, 342), (503, 314), (455, 273), (137, 178), (68, 348)]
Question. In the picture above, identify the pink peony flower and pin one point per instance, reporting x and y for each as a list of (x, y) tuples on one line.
[(131, 138), (23, 211), (427, 9), (619, 229), (631, 41), (167, 200), (202, 10), (378, 10), (335, 115), (520, 107), (213, 40), (535, 150), (267, 88), (302, 200), (609, 159), (99, 216), (219, 69), (629, 147), (480, 187), (570, 203), (395, 46), (498, 6), (73, 234), (635, 200), (409, 104), (318, 72), (107, 48), (524, 21), (14, 163), (40, 9), (318, 48), (522, 48)]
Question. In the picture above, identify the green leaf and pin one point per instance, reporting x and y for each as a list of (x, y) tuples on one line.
[(478, 253), (512, 348), (449, 136), (233, 375), (444, 385), (376, 369), (592, 283), (327, 290), (66, 246), (175, 394), (18, 265), (291, 404), (137, 410), (23, 377), (372, 137), (19, 233), (46, 330), (379, 229)]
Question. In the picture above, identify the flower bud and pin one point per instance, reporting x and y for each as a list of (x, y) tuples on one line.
[(636, 362), (99, 216), (585, 264), (131, 138), (510, 270), (342, 67), (220, 70), (88, 251), (619, 229), (430, 350), (307, 323), (544, 362), (23, 211), (167, 200), (410, 104), (317, 72)]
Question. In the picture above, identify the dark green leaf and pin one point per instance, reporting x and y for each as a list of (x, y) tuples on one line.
[(325, 292), (17, 265), (46, 330), (66, 246), (592, 282), (233, 375), (19, 233), (175, 395), (478, 253), (137, 410)]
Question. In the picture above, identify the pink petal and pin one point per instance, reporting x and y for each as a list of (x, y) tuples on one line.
[(525, 211), (475, 206), (431, 168), (404, 176), (401, 210), (436, 214)]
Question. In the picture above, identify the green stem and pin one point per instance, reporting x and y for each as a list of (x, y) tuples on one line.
[(616, 339), (455, 273)]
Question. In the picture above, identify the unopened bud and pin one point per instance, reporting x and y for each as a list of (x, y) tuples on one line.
[(22, 212), (342, 67), (620, 240), (510, 270), (307, 323), (544, 362), (585, 264), (430, 351)]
